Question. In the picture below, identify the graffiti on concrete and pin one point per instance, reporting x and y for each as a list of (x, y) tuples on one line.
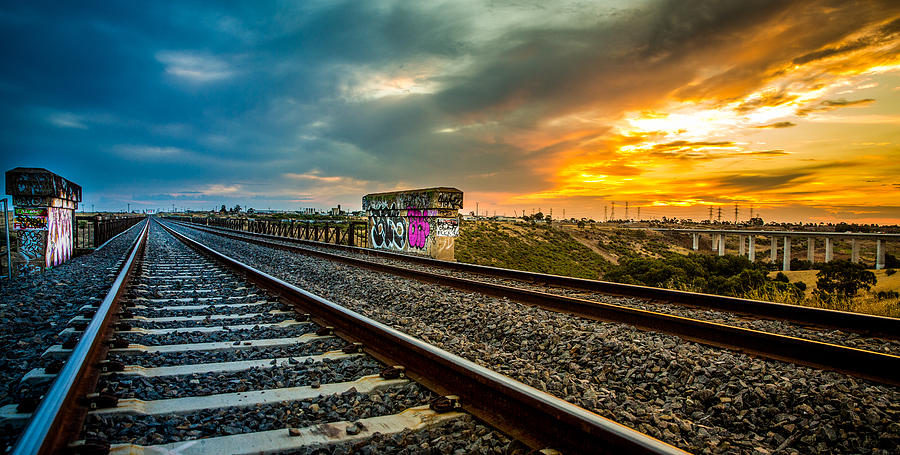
[(446, 227), (32, 244), (388, 232), (30, 201), (59, 237), (418, 227), (415, 221), (450, 200), (40, 182), (431, 198), (30, 219)]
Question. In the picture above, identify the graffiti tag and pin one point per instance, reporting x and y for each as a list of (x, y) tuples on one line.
[(388, 232), (418, 227), (59, 246), (29, 219), (31, 248), (446, 227)]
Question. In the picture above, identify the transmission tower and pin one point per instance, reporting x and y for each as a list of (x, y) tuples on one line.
[(639, 214), (735, 212), (612, 213), (710, 213), (720, 214), (751, 211), (626, 211), (605, 210)]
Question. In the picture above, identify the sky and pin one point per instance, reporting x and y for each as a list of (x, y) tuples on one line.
[(791, 108)]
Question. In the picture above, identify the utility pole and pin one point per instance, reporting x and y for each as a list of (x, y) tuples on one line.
[(751, 211), (639, 214), (551, 213), (476, 210), (626, 211), (564, 213), (129, 207)]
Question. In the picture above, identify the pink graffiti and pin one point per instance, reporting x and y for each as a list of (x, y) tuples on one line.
[(418, 227), (59, 241)]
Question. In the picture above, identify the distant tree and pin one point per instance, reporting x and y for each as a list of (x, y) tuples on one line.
[(223, 209), (580, 224), (844, 277), (251, 211), (538, 216), (236, 209)]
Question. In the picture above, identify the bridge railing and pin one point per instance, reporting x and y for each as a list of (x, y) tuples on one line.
[(352, 233), (92, 231)]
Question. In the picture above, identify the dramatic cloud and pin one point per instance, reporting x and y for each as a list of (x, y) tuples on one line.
[(665, 103)]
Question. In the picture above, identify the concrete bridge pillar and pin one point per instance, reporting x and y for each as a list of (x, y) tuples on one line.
[(786, 265), (774, 249), (721, 244), (829, 249), (811, 249), (854, 252), (879, 254), (752, 246), (742, 239), (44, 214), (424, 222), (696, 239)]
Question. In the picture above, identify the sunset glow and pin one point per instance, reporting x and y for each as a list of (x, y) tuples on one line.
[(791, 108)]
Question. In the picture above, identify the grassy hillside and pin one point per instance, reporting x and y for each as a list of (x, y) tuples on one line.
[(536, 248), (646, 257)]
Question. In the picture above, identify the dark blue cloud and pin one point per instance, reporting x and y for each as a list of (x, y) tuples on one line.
[(268, 102)]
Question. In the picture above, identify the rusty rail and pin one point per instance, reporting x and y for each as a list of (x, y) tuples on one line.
[(870, 365), (534, 417)]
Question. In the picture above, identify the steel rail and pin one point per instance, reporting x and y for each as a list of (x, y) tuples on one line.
[(525, 413), (865, 364), (59, 417), (818, 317)]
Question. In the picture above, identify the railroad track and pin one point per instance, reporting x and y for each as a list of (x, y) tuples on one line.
[(195, 352), (878, 366)]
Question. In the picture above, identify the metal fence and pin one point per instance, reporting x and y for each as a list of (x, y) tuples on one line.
[(352, 233), (93, 231)]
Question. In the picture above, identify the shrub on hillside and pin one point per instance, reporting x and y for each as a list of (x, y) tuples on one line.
[(843, 278), (725, 275)]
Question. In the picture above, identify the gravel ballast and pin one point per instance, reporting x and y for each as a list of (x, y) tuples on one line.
[(295, 374), (702, 399)]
